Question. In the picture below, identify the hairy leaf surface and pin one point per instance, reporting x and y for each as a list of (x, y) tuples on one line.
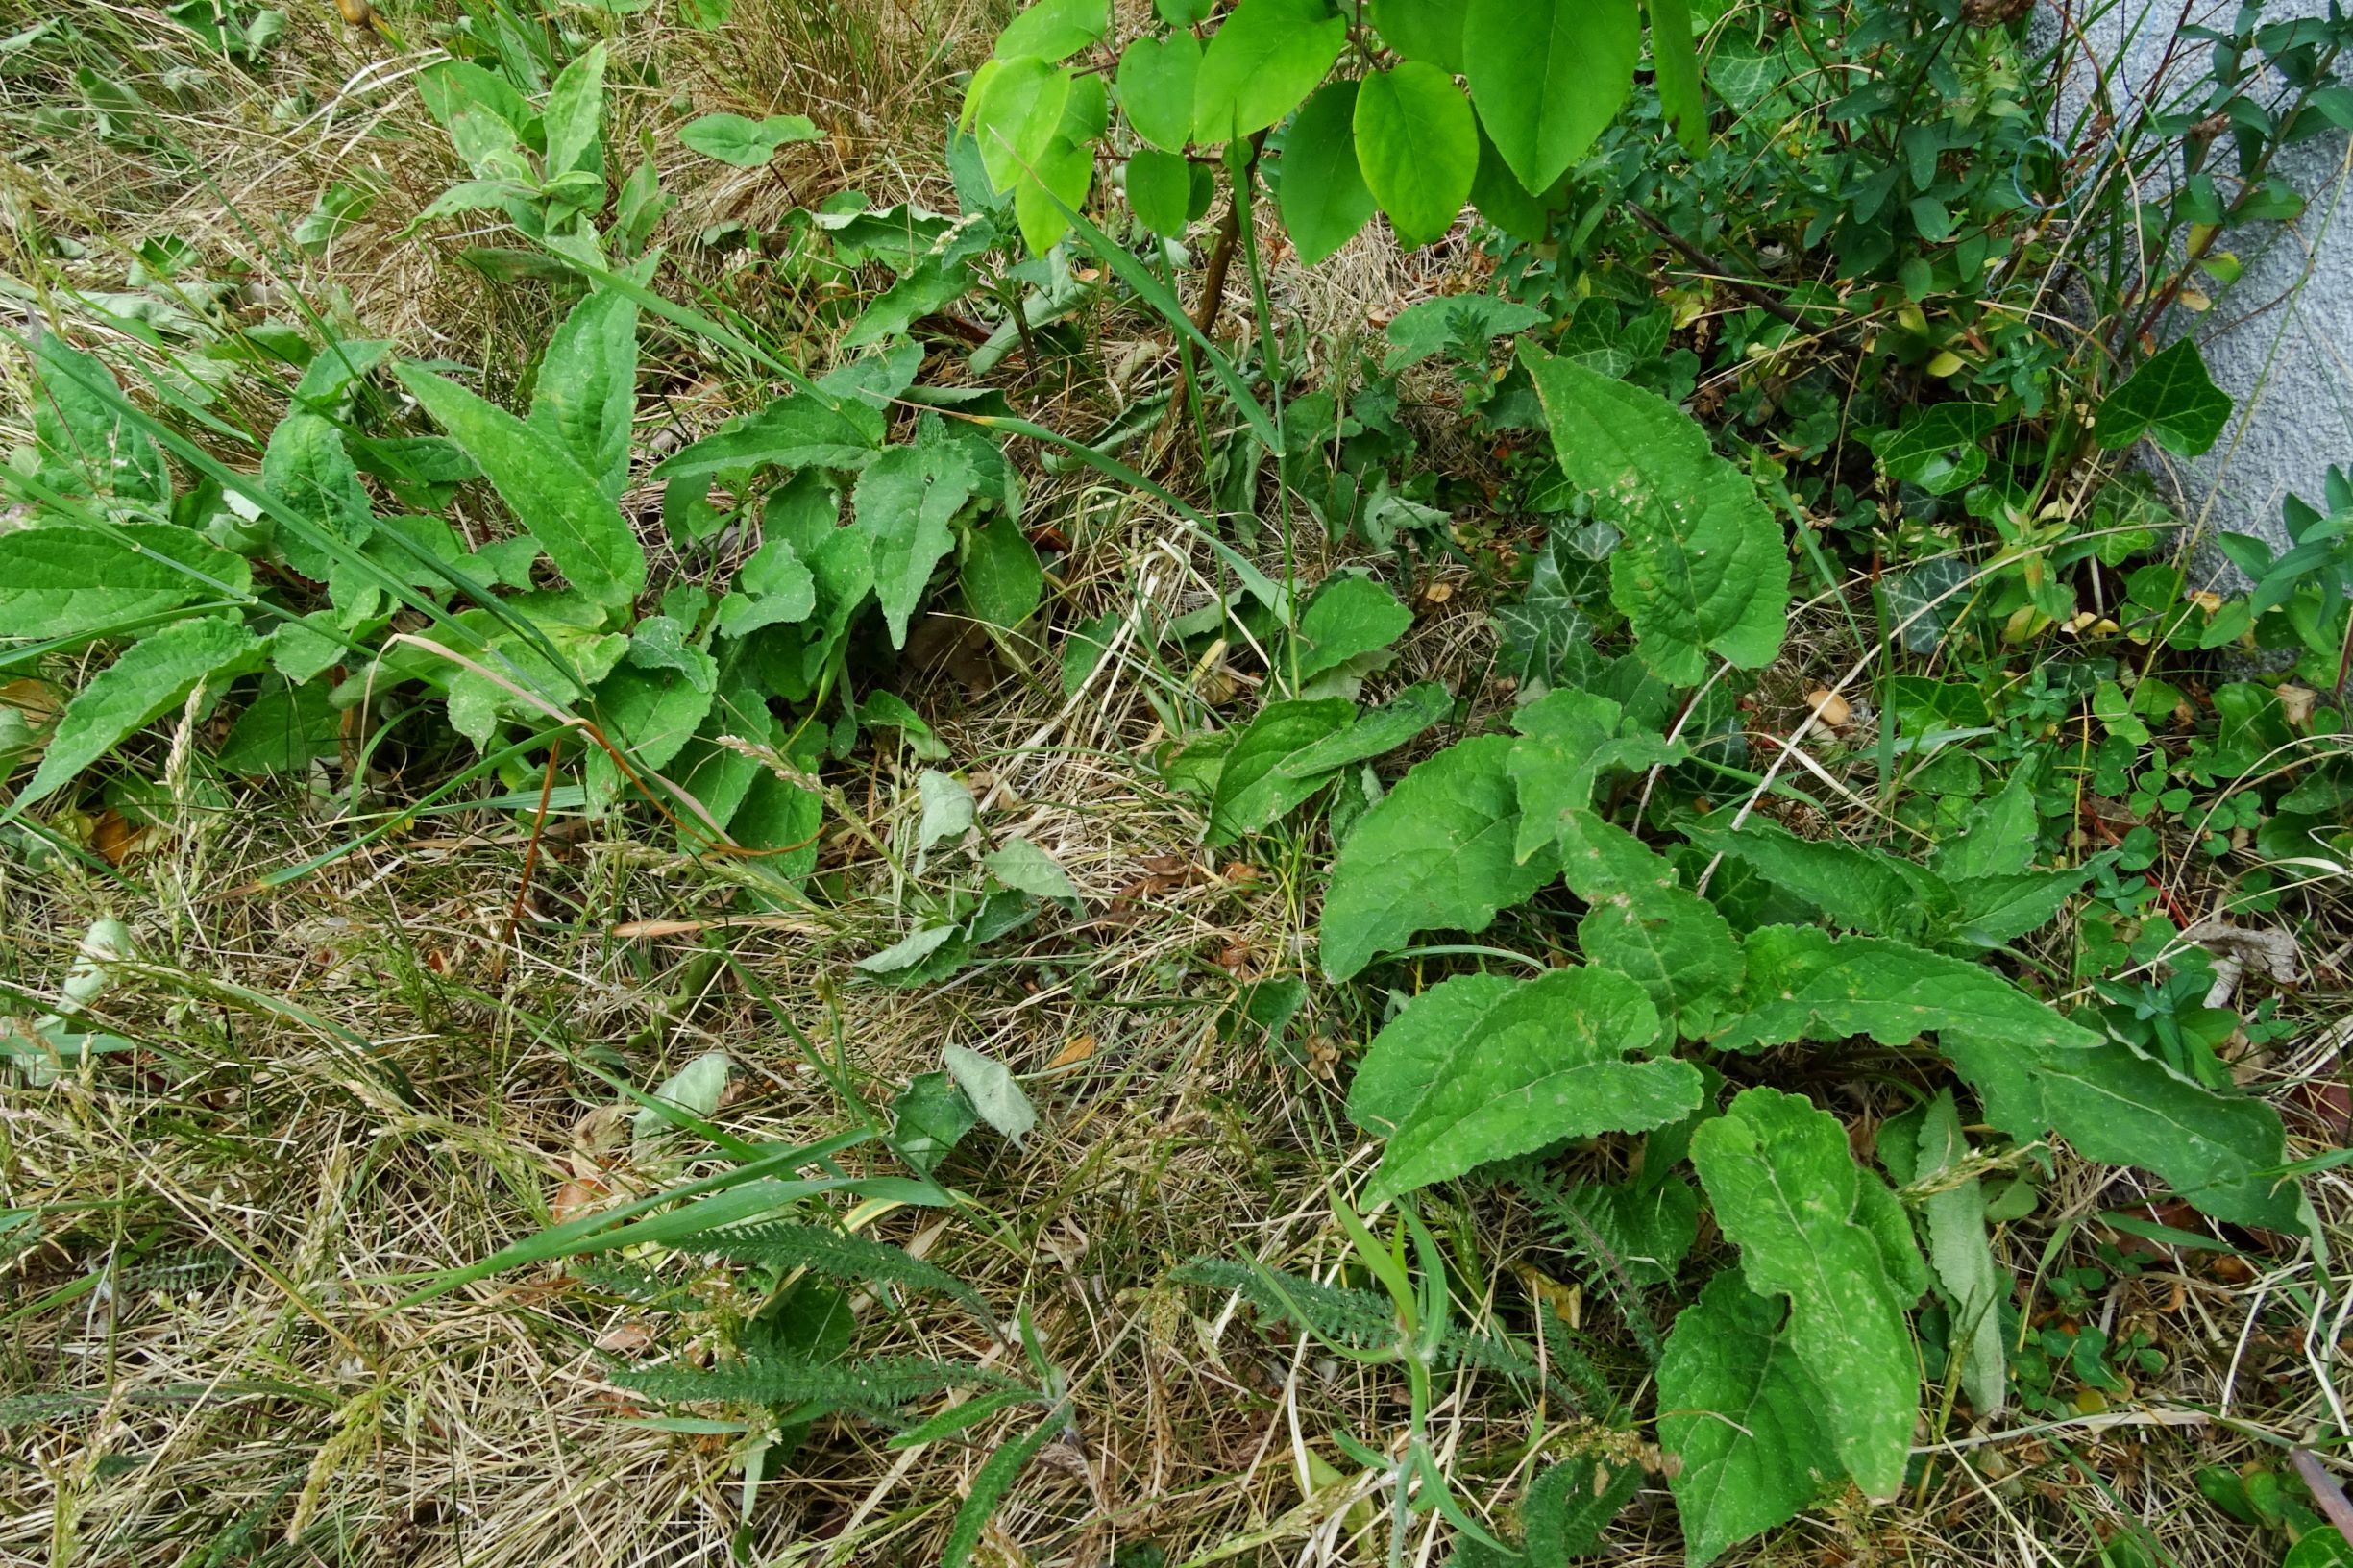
[(1645, 924)]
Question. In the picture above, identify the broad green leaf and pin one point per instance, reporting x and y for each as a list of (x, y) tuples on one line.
[(87, 442), (1435, 853), (904, 501), (557, 502), (1703, 565), (1159, 188), (70, 579), (1024, 868), (1647, 927), (651, 713), (1480, 1069), (306, 467), (1266, 56), (1053, 29), (1996, 838), (991, 1087), (1424, 30), (2170, 398), (693, 1088), (1787, 1192), (773, 588), (1966, 1275), (1254, 788), (284, 729), (1997, 909), (1374, 734), (1157, 81), (1504, 202), (798, 431), (586, 394), (1350, 616), (1940, 448), (1054, 184), (780, 820), (1569, 738), (2033, 1071), (1418, 146), (746, 143), (484, 114), (1322, 193), (1866, 889), (1547, 74), (153, 677), (1000, 576), (948, 808), (1675, 65), (1436, 325), (1015, 108), (1745, 1418), (576, 103)]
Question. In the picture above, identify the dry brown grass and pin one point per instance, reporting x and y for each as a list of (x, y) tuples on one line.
[(348, 1084)]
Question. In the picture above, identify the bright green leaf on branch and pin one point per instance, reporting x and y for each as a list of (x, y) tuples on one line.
[(1323, 196), (1547, 74), (1418, 147), (1266, 56)]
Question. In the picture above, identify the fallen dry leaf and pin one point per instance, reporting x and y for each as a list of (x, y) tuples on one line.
[(1078, 1048), (1834, 711), (2296, 704)]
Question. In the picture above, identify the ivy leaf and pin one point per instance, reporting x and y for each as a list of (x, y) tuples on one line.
[(153, 677), (904, 501), (1744, 1417), (1646, 925), (1435, 853), (1940, 449), (1254, 787), (586, 395), (1703, 566), (1265, 58), (2170, 398), (1417, 143), (1480, 1069), (1865, 890), (1787, 1191), (1966, 1276), (1549, 75), (557, 502), (746, 143), (1322, 194)]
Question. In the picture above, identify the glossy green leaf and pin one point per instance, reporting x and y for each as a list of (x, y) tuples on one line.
[(1787, 1192), (1266, 56), (1158, 78), (1054, 29), (1480, 1069), (1645, 924), (2172, 399), (1254, 788), (1015, 109), (1702, 567), (1323, 197), (1745, 1418), (70, 579), (1940, 448), (586, 395), (1160, 189), (1547, 74), (557, 502), (1424, 30), (904, 502), (151, 679), (1418, 146), (1675, 65), (1966, 1275), (1435, 853)]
